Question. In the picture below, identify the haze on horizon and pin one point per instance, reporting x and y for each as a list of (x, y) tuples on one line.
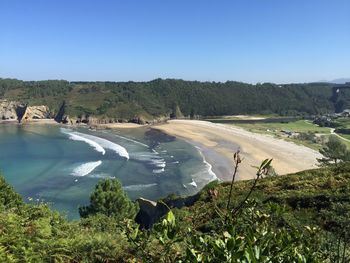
[(250, 41)]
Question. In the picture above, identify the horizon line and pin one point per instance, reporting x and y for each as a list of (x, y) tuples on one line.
[(334, 81)]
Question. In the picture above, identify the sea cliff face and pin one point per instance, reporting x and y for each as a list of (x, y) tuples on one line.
[(21, 112), (10, 110), (14, 110), (36, 112)]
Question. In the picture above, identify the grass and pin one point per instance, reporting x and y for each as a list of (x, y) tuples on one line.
[(345, 122), (346, 136), (294, 126), (299, 126)]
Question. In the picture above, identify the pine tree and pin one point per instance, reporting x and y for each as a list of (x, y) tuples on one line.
[(334, 152), (109, 199)]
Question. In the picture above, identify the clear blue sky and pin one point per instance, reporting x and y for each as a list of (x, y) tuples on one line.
[(247, 40)]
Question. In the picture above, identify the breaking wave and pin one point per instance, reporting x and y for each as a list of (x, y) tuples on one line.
[(95, 145), (103, 176), (131, 140), (153, 159), (193, 183), (98, 143), (86, 168), (137, 187), (158, 171), (204, 175), (208, 166)]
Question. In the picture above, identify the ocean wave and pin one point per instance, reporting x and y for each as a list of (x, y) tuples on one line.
[(103, 176), (209, 167), (86, 168), (158, 171), (159, 162), (98, 143), (152, 159), (137, 187), (131, 140), (76, 137), (193, 183)]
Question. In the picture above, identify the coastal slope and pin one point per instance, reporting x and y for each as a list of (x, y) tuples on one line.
[(218, 143)]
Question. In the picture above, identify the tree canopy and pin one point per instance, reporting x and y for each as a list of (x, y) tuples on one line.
[(334, 151), (109, 199), (163, 97)]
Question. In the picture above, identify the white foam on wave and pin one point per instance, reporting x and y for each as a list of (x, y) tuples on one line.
[(137, 187), (158, 171), (193, 183), (86, 168), (159, 162), (98, 143), (151, 158), (209, 167), (131, 140), (103, 176), (204, 175), (75, 137), (120, 150)]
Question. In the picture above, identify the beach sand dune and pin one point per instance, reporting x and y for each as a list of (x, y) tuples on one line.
[(219, 141)]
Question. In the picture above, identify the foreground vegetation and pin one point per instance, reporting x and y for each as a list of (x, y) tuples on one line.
[(147, 100), (303, 217)]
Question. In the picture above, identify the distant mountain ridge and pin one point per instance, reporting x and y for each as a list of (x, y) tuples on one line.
[(337, 81)]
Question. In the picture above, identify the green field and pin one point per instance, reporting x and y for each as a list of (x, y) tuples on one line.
[(345, 122), (302, 132), (301, 126), (294, 126)]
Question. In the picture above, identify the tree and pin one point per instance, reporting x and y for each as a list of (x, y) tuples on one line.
[(109, 199), (334, 151)]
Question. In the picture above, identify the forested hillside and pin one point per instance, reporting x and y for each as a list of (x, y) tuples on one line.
[(127, 100), (302, 217)]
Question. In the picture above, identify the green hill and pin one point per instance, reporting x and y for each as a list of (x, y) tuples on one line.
[(302, 217), (163, 97)]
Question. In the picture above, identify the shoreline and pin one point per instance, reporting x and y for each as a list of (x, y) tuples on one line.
[(221, 166), (220, 141), (117, 125)]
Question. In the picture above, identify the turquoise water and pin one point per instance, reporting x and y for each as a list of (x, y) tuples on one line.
[(61, 165)]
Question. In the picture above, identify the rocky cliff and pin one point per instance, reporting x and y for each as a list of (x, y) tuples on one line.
[(36, 112), (10, 110), (13, 110), (150, 212)]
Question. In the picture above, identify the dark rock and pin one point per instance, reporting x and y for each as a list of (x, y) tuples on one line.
[(150, 212)]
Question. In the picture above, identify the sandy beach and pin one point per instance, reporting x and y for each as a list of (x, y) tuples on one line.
[(32, 121), (120, 125), (218, 142)]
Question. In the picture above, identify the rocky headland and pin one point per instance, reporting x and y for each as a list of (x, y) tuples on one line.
[(14, 111)]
